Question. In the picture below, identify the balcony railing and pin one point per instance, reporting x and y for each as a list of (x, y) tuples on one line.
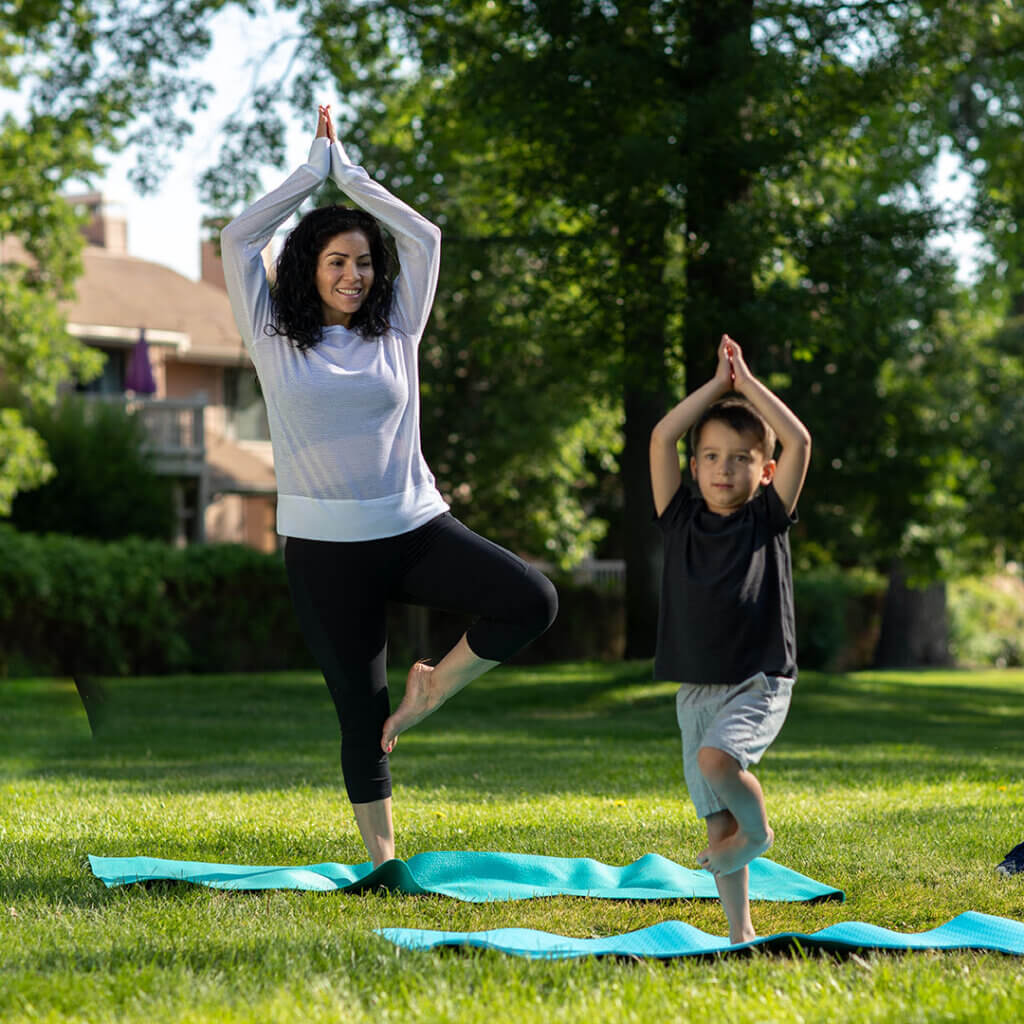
[(174, 428)]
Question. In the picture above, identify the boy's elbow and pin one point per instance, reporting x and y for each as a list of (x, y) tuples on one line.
[(804, 439), (660, 437), (799, 443)]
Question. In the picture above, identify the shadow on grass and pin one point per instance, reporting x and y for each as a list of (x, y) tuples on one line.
[(518, 730), (841, 712)]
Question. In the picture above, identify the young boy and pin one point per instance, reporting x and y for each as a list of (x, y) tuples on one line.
[(726, 628)]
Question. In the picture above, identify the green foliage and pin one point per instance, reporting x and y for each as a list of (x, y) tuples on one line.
[(77, 606), (83, 607), (619, 183), (105, 485), (995, 378), (510, 419), (983, 116), (36, 353), (23, 462), (902, 789), (92, 76), (896, 473), (232, 608), (987, 620), (837, 617)]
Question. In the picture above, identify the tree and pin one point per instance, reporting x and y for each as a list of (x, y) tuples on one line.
[(756, 166), (984, 115), (92, 76)]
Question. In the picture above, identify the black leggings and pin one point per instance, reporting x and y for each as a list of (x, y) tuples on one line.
[(340, 591)]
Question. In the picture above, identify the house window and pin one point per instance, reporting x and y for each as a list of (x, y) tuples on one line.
[(247, 413), (111, 380)]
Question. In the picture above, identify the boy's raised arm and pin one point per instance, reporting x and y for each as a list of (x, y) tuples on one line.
[(666, 476), (791, 466)]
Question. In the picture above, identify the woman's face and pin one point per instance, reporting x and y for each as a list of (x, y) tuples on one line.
[(344, 276)]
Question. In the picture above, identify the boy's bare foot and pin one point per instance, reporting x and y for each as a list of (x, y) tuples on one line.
[(734, 852), (417, 702)]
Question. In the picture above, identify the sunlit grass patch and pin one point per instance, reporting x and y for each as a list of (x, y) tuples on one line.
[(903, 789)]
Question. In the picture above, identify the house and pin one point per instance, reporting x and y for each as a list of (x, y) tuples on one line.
[(206, 420)]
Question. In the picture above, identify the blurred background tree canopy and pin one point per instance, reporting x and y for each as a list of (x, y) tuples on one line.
[(620, 182)]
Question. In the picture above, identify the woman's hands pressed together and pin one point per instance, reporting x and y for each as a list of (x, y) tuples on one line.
[(324, 125)]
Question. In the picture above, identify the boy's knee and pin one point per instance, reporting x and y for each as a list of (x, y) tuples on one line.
[(716, 764)]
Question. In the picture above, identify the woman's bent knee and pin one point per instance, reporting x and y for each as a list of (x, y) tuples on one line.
[(527, 610), (543, 605)]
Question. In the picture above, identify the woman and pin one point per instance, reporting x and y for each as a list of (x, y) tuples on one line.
[(334, 342)]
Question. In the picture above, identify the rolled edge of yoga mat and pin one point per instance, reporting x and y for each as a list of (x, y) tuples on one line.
[(671, 939), (475, 877)]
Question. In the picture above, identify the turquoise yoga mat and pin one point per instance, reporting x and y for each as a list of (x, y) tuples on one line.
[(676, 939), (477, 877)]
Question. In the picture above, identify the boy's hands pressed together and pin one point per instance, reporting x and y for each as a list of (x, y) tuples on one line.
[(725, 373), (730, 351)]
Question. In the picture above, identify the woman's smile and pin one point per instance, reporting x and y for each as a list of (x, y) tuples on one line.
[(344, 276)]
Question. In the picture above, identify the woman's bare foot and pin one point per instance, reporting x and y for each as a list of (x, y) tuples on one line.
[(734, 852), (417, 702)]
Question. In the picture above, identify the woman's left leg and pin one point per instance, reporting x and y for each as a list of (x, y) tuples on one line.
[(339, 591), (458, 570)]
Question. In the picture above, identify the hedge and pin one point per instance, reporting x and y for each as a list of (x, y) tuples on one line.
[(71, 606), (838, 618), (138, 607)]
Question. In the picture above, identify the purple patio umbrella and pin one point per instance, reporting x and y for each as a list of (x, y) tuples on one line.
[(139, 376)]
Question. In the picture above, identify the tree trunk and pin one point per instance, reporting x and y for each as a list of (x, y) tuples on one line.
[(642, 538), (915, 625), (717, 160), (712, 286), (645, 315)]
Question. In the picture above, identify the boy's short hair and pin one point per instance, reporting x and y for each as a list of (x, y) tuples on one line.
[(738, 414)]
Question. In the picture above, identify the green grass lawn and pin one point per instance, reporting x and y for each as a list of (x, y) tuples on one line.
[(903, 789)]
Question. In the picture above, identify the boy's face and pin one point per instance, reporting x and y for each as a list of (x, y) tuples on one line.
[(729, 467)]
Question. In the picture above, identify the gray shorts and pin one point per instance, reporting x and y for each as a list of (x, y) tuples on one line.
[(741, 720)]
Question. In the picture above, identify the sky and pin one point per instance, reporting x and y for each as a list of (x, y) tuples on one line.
[(165, 227)]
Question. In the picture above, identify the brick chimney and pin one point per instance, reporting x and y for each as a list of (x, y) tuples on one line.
[(106, 227), (211, 267)]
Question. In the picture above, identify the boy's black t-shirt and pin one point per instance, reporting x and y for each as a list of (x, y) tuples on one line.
[(726, 592)]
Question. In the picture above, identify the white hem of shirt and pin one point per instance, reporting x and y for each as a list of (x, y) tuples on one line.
[(351, 519)]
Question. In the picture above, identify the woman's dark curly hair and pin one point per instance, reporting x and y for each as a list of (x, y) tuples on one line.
[(298, 310)]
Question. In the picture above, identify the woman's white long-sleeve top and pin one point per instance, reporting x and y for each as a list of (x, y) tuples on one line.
[(344, 415)]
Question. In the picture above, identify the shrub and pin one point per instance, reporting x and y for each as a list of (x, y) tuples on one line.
[(986, 620), (105, 486), (72, 606), (838, 615), (234, 607), (75, 606)]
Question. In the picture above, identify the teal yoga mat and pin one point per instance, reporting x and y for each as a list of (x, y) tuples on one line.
[(477, 877), (676, 939)]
